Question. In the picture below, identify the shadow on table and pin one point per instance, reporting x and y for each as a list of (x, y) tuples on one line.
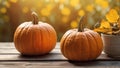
[(61, 60), (46, 57), (95, 63)]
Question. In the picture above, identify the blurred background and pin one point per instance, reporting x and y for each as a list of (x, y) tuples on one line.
[(61, 14)]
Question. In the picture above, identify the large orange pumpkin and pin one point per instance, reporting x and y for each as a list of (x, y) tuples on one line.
[(34, 38), (81, 44)]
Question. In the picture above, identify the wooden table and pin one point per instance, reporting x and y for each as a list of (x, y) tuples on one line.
[(11, 58)]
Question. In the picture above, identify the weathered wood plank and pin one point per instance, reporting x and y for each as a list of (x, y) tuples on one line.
[(17, 57), (11, 58), (49, 57), (61, 64), (13, 50), (9, 48), (7, 45), (9, 53), (11, 45)]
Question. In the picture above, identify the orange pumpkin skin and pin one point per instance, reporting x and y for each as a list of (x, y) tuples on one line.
[(35, 39), (81, 46)]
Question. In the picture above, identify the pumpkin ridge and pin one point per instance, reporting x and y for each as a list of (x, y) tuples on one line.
[(19, 34), (73, 45), (84, 40), (78, 38), (63, 40), (42, 37), (99, 41), (33, 40), (40, 43), (49, 32), (53, 31), (48, 37), (90, 38), (96, 43), (88, 58), (70, 44), (26, 31)]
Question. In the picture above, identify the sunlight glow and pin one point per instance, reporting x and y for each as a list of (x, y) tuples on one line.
[(66, 11), (13, 1)]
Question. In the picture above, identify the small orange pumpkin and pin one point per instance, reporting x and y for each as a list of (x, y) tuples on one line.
[(81, 44), (35, 38)]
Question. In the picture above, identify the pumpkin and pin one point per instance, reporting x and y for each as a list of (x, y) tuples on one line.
[(81, 44), (35, 37)]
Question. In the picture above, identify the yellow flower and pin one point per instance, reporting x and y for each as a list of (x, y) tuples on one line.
[(74, 24), (102, 3), (3, 10), (112, 16), (74, 3), (66, 11), (90, 8), (105, 24), (81, 12)]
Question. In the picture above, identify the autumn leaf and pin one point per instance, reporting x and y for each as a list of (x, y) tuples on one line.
[(101, 30), (112, 16), (105, 24)]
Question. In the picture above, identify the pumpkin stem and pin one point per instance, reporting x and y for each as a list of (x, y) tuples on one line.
[(80, 25), (35, 18)]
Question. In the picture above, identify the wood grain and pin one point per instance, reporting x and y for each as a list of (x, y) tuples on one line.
[(9, 53), (11, 58), (60, 64)]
